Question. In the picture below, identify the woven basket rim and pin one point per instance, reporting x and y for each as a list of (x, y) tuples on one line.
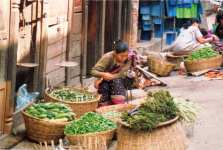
[(97, 97), (175, 56), (160, 60), (91, 134), (103, 109), (45, 121), (162, 124), (204, 59)]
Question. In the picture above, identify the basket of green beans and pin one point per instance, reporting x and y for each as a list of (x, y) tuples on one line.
[(202, 59)]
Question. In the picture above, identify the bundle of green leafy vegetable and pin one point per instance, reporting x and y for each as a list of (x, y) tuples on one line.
[(68, 94), (203, 53), (51, 111), (187, 110), (158, 107), (89, 123)]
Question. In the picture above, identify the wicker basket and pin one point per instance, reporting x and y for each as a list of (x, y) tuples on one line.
[(79, 108), (92, 141), (42, 130), (115, 108), (199, 65), (160, 67), (167, 136), (175, 60)]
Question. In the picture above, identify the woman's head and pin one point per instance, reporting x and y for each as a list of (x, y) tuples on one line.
[(121, 51), (195, 21)]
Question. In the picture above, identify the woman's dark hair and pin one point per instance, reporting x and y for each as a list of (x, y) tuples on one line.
[(219, 16), (120, 46), (186, 24), (189, 22), (194, 20)]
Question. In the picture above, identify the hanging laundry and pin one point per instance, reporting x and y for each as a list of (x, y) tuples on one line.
[(187, 12), (184, 8)]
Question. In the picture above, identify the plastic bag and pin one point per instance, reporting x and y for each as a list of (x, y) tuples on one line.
[(24, 98)]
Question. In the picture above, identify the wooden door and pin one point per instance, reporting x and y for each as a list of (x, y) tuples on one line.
[(57, 39), (107, 21), (112, 24), (95, 32), (2, 106), (117, 22), (4, 39)]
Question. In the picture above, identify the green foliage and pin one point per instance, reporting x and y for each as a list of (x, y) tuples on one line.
[(72, 95), (203, 53), (89, 123), (158, 107)]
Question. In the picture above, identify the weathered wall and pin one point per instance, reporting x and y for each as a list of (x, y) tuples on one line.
[(76, 42), (134, 23)]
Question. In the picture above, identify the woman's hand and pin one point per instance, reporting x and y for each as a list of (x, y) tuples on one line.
[(108, 76), (215, 38)]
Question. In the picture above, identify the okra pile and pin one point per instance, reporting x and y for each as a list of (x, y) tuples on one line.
[(89, 123), (68, 94), (203, 53), (157, 108), (51, 111)]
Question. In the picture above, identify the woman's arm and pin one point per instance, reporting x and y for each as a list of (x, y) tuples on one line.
[(202, 40), (100, 67), (99, 70)]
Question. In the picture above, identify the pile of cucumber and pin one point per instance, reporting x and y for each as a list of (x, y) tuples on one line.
[(51, 111)]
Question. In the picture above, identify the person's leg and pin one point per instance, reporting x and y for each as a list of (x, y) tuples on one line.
[(118, 91), (104, 90)]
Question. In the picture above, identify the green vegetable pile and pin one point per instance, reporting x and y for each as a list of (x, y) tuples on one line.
[(89, 123), (51, 111), (71, 95), (158, 107), (203, 53)]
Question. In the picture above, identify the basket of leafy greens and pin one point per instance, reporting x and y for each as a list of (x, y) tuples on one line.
[(80, 101), (90, 126), (204, 58)]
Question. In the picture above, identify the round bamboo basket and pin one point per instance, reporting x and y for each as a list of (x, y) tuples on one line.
[(160, 67), (167, 136), (79, 108), (203, 64), (92, 141), (43, 130), (175, 60), (115, 108)]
